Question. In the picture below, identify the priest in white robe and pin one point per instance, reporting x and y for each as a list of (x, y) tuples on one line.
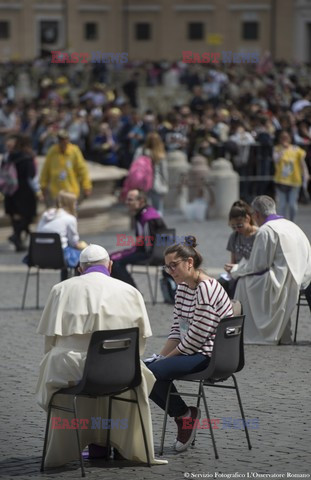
[(269, 282), (76, 308)]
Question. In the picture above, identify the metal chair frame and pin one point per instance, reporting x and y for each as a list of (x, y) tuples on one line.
[(302, 302), (104, 348), (230, 328)]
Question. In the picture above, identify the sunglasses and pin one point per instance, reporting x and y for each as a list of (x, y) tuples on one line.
[(236, 227)]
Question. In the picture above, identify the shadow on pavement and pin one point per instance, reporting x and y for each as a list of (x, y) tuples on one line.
[(30, 466)]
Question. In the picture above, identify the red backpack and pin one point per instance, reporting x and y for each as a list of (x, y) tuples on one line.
[(140, 176)]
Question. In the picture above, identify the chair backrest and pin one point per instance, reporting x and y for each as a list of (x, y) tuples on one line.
[(164, 238), (45, 251), (112, 362), (228, 352)]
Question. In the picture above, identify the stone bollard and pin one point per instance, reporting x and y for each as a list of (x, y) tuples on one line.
[(178, 167), (225, 184), (199, 194)]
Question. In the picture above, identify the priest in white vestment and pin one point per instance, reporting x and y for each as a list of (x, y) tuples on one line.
[(269, 282), (76, 308)]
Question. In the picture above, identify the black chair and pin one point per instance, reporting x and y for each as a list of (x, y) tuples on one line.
[(112, 367), (227, 358), (164, 238), (45, 252), (302, 302)]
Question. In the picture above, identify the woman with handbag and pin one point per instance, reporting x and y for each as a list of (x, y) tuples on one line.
[(154, 148)]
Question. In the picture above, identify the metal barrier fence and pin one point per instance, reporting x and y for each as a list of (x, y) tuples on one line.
[(254, 164)]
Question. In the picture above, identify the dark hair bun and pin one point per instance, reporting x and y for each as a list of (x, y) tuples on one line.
[(191, 241), (240, 203)]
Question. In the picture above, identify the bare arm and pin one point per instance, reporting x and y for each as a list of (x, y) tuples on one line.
[(173, 353), (169, 347), (233, 258), (228, 266)]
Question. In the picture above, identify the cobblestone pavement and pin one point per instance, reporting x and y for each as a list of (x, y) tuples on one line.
[(274, 386)]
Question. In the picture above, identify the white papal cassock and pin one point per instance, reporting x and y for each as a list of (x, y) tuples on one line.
[(269, 282), (76, 308)]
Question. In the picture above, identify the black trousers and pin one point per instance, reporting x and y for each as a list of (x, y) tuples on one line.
[(119, 269)]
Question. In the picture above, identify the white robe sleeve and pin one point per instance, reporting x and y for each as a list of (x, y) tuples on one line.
[(262, 255)]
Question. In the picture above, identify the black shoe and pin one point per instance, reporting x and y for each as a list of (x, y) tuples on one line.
[(97, 451)]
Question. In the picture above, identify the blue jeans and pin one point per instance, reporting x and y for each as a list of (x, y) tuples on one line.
[(287, 199), (166, 370), (157, 201)]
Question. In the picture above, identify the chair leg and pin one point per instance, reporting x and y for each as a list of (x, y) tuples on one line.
[(209, 419), (156, 285), (198, 406), (143, 429), (25, 288), (165, 419), (108, 432), (38, 286), (242, 412), (297, 317), (46, 435), (150, 285), (78, 437)]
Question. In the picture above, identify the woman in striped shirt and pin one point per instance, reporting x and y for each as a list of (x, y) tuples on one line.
[(200, 303)]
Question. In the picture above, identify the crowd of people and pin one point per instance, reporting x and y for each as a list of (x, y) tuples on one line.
[(232, 110), (100, 108), (240, 111)]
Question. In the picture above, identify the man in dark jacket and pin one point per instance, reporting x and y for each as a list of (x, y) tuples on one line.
[(148, 222)]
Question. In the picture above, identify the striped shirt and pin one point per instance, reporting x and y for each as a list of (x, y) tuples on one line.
[(197, 314)]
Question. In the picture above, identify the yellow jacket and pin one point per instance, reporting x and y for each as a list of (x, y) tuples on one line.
[(289, 166), (65, 171)]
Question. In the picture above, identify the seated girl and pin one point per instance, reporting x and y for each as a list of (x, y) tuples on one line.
[(240, 242), (62, 220)]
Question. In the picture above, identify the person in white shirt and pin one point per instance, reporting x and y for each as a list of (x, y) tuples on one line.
[(63, 220)]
